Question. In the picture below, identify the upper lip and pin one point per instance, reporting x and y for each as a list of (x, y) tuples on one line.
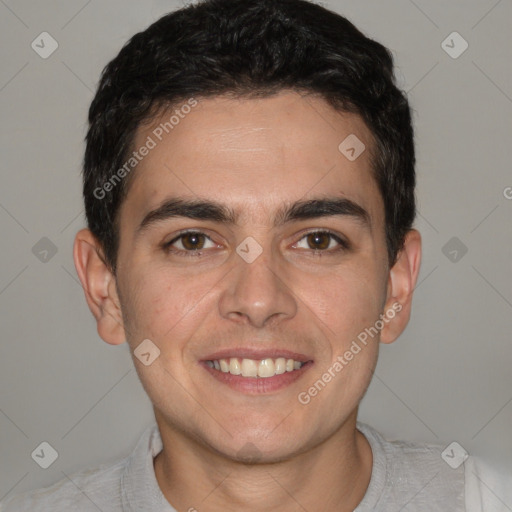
[(256, 354)]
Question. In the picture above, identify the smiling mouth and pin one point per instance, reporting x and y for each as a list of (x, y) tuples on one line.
[(254, 368)]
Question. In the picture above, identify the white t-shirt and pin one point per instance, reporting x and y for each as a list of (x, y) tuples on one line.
[(405, 477)]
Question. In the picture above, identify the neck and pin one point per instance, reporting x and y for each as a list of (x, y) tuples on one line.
[(331, 477)]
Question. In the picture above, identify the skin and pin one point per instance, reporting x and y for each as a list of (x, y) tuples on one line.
[(254, 155)]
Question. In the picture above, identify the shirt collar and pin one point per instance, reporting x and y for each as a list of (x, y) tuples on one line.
[(140, 491), (377, 483), (139, 487)]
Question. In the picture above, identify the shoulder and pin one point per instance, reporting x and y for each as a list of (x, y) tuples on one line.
[(103, 487), (488, 487), (436, 477), (413, 475), (407, 460), (91, 489)]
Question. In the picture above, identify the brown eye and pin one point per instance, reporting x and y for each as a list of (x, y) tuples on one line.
[(318, 240), (189, 241), (193, 241), (322, 241)]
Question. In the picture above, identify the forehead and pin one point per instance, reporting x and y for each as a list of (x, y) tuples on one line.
[(252, 154)]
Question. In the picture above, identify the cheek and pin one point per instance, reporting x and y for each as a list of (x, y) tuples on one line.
[(347, 305), (162, 303), (346, 302)]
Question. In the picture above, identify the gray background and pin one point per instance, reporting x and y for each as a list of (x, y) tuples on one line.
[(447, 378)]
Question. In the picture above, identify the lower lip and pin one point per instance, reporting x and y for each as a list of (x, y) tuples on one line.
[(258, 385)]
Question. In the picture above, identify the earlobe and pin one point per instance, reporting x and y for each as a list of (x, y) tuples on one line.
[(401, 283), (99, 287)]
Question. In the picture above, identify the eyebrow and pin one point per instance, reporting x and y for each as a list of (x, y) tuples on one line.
[(218, 212)]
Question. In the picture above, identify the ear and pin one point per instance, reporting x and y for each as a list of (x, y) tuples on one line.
[(401, 282), (99, 286)]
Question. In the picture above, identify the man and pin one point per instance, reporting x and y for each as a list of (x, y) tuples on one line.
[(249, 191)]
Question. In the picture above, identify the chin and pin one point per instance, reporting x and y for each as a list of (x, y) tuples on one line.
[(259, 446)]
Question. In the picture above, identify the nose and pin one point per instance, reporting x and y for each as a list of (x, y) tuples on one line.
[(257, 293)]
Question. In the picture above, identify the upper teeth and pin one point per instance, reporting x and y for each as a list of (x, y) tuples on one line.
[(255, 368)]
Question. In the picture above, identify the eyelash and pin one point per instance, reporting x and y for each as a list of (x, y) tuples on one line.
[(343, 245), (167, 246)]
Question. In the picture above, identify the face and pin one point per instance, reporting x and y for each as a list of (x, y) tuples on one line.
[(250, 278)]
